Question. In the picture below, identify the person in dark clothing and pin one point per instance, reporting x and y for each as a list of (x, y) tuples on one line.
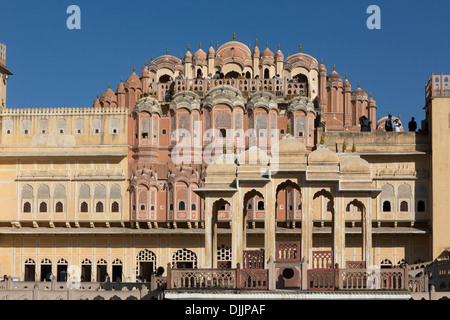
[(388, 126), (365, 124), (412, 125)]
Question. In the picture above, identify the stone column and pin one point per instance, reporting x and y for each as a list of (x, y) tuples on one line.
[(307, 217), (208, 233), (339, 232), (269, 222), (367, 235), (237, 230)]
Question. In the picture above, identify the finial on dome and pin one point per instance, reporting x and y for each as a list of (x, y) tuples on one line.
[(399, 117), (288, 53), (315, 55), (267, 44), (188, 48), (249, 45), (134, 68), (359, 85), (334, 67), (211, 43), (370, 96), (346, 77), (121, 79), (300, 49), (200, 46), (234, 36), (146, 63), (109, 85), (278, 46), (167, 51), (389, 112), (256, 42), (97, 95), (217, 45), (151, 58), (181, 56), (321, 61)]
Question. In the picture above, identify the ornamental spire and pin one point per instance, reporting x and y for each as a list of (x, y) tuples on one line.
[(234, 36)]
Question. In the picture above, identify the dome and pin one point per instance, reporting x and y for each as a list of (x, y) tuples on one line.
[(334, 75), (188, 56), (200, 54), (133, 81), (322, 155), (354, 165), (253, 155), (211, 51), (145, 72), (267, 53), (256, 52), (288, 145), (279, 55), (120, 87)]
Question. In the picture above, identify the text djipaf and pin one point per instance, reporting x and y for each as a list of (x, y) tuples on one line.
[(237, 310)]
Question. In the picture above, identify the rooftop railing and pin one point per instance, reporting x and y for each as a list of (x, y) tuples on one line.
[(281, 88)]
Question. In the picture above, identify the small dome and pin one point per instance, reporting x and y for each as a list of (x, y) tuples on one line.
[(354, 165), (133, 81), (253, 155), (200, 54), (334, 75), (267, 53), (120, 87), (289, 145), (323, 155), (188, 56), (256, 52), (211, 51), (145, 72), (279, 55), (108, 95)]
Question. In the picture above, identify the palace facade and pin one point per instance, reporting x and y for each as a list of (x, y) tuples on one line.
[(202, 158)]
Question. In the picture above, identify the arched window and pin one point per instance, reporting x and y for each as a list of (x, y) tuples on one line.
[(299, 207), (43, 207), (421, 206), (184, 259), (193, 207), (404, 206), (84, 207), (59, 207), (261, 205), (26, 207), (386, 206), (266, 73), (99, 207), (115, 207), (181, 205)]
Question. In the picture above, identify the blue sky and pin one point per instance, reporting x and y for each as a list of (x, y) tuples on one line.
[(57, 67)]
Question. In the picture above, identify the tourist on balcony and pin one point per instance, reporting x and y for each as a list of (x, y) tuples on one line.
[(397, 125), (365, 123), (216, 75), (180, 76), (412, 125), (209, 76), (388, 125)]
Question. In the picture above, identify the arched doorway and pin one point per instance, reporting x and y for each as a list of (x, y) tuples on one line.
[(324, 218), (302, 81), (254, 208), (221, 219), (232, 75), (355, 242), (288, 205)]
